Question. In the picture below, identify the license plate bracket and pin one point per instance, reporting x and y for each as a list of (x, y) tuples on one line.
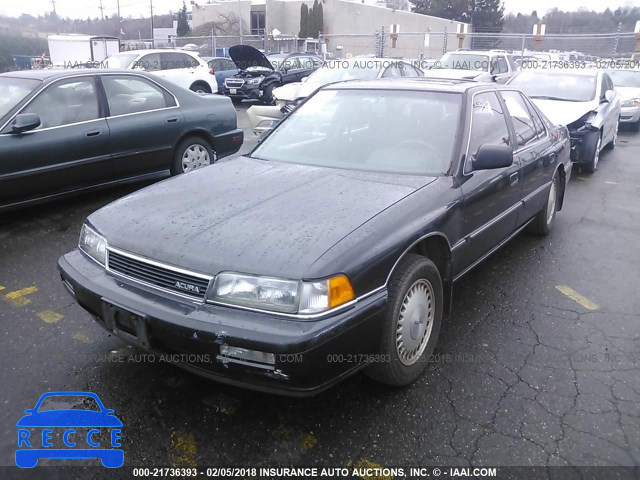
[(233, 91), (126, 324)]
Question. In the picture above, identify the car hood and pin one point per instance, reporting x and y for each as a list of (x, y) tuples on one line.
[(452, 73), (69, 418), (564, 113), (249, 215), (293, 91), (627, 93), (245, 56)]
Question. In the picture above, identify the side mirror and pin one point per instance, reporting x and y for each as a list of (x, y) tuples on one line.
[(493, 156), (608, 96), (25, 122)]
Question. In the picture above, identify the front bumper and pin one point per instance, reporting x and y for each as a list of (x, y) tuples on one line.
[(310, 356), (629, 114), (248, 92)]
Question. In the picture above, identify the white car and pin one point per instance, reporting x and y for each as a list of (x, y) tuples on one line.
[(181, 67), (481, 65), (627, 84), (287, 97), (585, 101)]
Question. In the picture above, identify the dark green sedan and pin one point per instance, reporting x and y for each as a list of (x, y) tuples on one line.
[(63, 132)]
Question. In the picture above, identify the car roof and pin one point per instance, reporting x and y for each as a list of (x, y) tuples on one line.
[(54, 73), (417, 83), (156, 50), (586, 72)]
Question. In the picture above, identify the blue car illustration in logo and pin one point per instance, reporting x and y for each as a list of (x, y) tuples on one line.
[(73, 421)]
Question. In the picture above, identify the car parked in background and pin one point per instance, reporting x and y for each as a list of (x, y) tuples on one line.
[(627, 83), (221, 67), (289, 96), (350, 223), (259, 75), (181, 67), (585, 101), (66, 131), (481, 65)]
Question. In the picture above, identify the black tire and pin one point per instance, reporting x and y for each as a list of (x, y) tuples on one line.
[(200, 87), (543, 221), (178, 165), (267, 95), (411, 273), (594, 154)]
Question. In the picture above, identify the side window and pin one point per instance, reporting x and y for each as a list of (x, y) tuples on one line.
[(65, 102), (149, 62), (306, 63), (537, 121), (188, 61), (522, 121), (291, 64), (502, 65), (408, 70), (172, 61), (317, 62), (229, 65), (488, 125), (132, 95), (392, 71)]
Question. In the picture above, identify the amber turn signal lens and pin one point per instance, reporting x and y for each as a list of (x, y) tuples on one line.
[(340, 291)]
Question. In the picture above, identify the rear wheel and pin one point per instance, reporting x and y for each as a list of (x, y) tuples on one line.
[(594, 156), (200, 87), (543, 221), (412, 322), (191, 154)]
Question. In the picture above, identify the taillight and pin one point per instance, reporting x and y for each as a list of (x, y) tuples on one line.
[(211, 71)]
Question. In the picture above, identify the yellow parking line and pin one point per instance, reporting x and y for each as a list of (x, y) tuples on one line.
[(19, 297), (309, 441), (576, 297), (81, 337), (49, 316), (368, 470), (2, 288), (183, 450)]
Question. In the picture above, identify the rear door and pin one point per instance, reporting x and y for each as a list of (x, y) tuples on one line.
[(535, 151), (291, 70), (145, 123), (69, 150), (491, 198)]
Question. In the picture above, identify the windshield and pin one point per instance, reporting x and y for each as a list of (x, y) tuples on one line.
[(337, 71), (121, 60), (548, 86), (372, 130), (69, 402), (625, 78), (13, 91), (464, 61)]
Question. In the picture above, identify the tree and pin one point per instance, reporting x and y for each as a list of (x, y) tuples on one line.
[(314, 23), (320, 19), (457, 10), (487, 15), (183, 28), (304, 21)]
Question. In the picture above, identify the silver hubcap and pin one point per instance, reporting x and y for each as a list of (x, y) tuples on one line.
[(194, 157), (415, 322), (551, 202)]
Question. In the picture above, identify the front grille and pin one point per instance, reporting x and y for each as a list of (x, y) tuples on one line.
[(233, 82), (156, 275)]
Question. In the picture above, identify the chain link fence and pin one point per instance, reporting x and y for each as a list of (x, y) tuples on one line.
[(415, 45)]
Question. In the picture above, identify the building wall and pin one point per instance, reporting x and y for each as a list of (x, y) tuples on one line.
[(344, 20)]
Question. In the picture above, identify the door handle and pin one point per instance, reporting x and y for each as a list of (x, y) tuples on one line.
[(93, 133), (172, 120), (514, 178)]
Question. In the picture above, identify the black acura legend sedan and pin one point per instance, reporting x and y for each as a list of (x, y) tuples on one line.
[(68, 131), (335, 244)]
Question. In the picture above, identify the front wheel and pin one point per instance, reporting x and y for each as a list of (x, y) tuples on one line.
[(267, 95), (543, 221), (412, 321), (594, 156), (191, 154), (200, 87)]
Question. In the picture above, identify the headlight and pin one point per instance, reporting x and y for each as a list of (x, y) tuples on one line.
[(634, 102), (93, 244), (255, 81), (280, 295)]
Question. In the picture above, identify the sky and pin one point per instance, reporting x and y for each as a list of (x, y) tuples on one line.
[(136, 8)]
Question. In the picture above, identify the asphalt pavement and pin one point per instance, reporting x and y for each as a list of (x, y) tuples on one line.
[(539, 363)]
